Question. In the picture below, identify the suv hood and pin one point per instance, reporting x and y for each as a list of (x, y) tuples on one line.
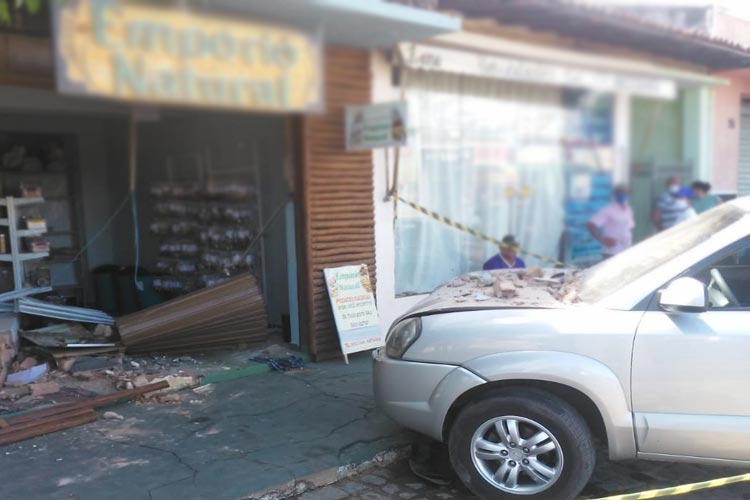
[(513, 288)]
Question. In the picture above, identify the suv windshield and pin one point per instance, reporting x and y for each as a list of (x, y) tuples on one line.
[(606, 277)]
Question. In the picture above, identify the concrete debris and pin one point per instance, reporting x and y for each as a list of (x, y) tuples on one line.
[(169, 398), (204, 389), (534, 272), (110, 415), (10, 393), (532, 287), (66, 365), (140, 380), (46, 370), (504, 288), (29, 362), (486, 279), (103, 331), (7, 353), (44, 388)]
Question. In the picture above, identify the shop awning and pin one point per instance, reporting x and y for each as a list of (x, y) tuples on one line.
[(354, 23), (502, 67)]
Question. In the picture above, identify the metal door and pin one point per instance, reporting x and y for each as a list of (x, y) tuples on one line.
[(743, 169)]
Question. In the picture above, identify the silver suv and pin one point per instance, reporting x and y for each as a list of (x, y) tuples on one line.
[(518, 372)]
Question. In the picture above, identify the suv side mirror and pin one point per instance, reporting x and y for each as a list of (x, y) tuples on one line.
[(684, 295)]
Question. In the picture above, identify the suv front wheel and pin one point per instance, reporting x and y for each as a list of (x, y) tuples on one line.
[(533, 446)]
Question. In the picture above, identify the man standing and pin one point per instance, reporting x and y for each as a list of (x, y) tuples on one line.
[(508, 256), (612, 226), (702, 199), (672, 207)]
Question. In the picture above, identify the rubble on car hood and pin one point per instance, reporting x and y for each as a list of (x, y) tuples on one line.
[(524, 288)]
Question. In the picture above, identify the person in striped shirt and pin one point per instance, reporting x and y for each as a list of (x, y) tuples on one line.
[(673, 206)]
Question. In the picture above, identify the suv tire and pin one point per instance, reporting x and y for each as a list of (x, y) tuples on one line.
[(537, 413)]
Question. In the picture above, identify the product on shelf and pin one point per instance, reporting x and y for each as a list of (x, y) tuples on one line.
[(35, 223), (37, 245), (204, 230), (31, 190)]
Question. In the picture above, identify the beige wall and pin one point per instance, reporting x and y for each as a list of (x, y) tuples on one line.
[(726, 129)]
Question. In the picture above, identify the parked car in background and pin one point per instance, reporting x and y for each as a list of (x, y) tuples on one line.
[(646, 351)]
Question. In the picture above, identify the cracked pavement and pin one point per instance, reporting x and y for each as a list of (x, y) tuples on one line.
[(247, 435)]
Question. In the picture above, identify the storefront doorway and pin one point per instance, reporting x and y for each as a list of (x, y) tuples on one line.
[(211, 202)]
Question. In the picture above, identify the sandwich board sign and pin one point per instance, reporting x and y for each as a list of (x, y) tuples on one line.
[(350, 292)]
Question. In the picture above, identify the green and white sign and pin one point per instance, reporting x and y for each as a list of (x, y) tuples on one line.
[(376, 125), (354, 311)]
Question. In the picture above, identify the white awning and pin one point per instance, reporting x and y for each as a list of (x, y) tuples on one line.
[(483, 65), (505, 58)]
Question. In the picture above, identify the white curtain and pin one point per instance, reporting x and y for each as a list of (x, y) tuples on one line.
[(483, 153)]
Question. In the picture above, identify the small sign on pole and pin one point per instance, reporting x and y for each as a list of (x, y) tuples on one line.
[(354, 311), (376, 125)]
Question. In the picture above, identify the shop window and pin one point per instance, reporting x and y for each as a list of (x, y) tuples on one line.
[(493, 156)]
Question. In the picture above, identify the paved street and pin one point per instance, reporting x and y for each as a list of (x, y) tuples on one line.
[(397, 482)]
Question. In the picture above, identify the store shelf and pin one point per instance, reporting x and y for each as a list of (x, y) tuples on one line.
[(25, 233), (20, 202), (6, 257)]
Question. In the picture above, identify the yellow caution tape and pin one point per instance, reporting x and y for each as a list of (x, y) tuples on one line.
[(474, 232), (681, 490)]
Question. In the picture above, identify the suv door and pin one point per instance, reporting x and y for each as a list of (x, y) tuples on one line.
[(691, 370)]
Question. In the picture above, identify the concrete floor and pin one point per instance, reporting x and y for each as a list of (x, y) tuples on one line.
[(247, 435)]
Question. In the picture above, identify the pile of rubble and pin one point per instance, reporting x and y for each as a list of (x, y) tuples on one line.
[(533, 287), (66, 362)]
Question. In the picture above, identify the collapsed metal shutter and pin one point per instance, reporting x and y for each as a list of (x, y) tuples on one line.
[(743, 169), (339, 212)]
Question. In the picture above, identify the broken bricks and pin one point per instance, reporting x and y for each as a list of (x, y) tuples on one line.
[(504, 288), (44, 388)]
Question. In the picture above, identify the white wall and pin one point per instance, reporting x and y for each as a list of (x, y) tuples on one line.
[(389, 307)]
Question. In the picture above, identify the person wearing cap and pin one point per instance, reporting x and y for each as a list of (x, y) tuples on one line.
[(673, 206), (613, 224), (507, 258)]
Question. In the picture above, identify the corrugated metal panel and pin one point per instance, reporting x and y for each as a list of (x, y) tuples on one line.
[(230, 313), (338, 193), (743, 169)]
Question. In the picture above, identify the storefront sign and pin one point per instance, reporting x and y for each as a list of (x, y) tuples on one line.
[(350, 291), (171, 55), (427, 57), (376, 126)]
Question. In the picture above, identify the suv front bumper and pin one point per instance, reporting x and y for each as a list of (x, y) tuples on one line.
[(419, 395)]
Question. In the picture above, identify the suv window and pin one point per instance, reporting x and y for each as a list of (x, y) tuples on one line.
[(728, 280)]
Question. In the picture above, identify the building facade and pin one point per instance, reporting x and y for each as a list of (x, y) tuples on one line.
[(221, 126), (521, 124)]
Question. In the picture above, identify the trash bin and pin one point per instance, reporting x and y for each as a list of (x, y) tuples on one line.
[(127, 293), (105, 287), (148, 296)]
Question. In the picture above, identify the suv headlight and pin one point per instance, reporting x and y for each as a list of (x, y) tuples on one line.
[(402, 336)]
